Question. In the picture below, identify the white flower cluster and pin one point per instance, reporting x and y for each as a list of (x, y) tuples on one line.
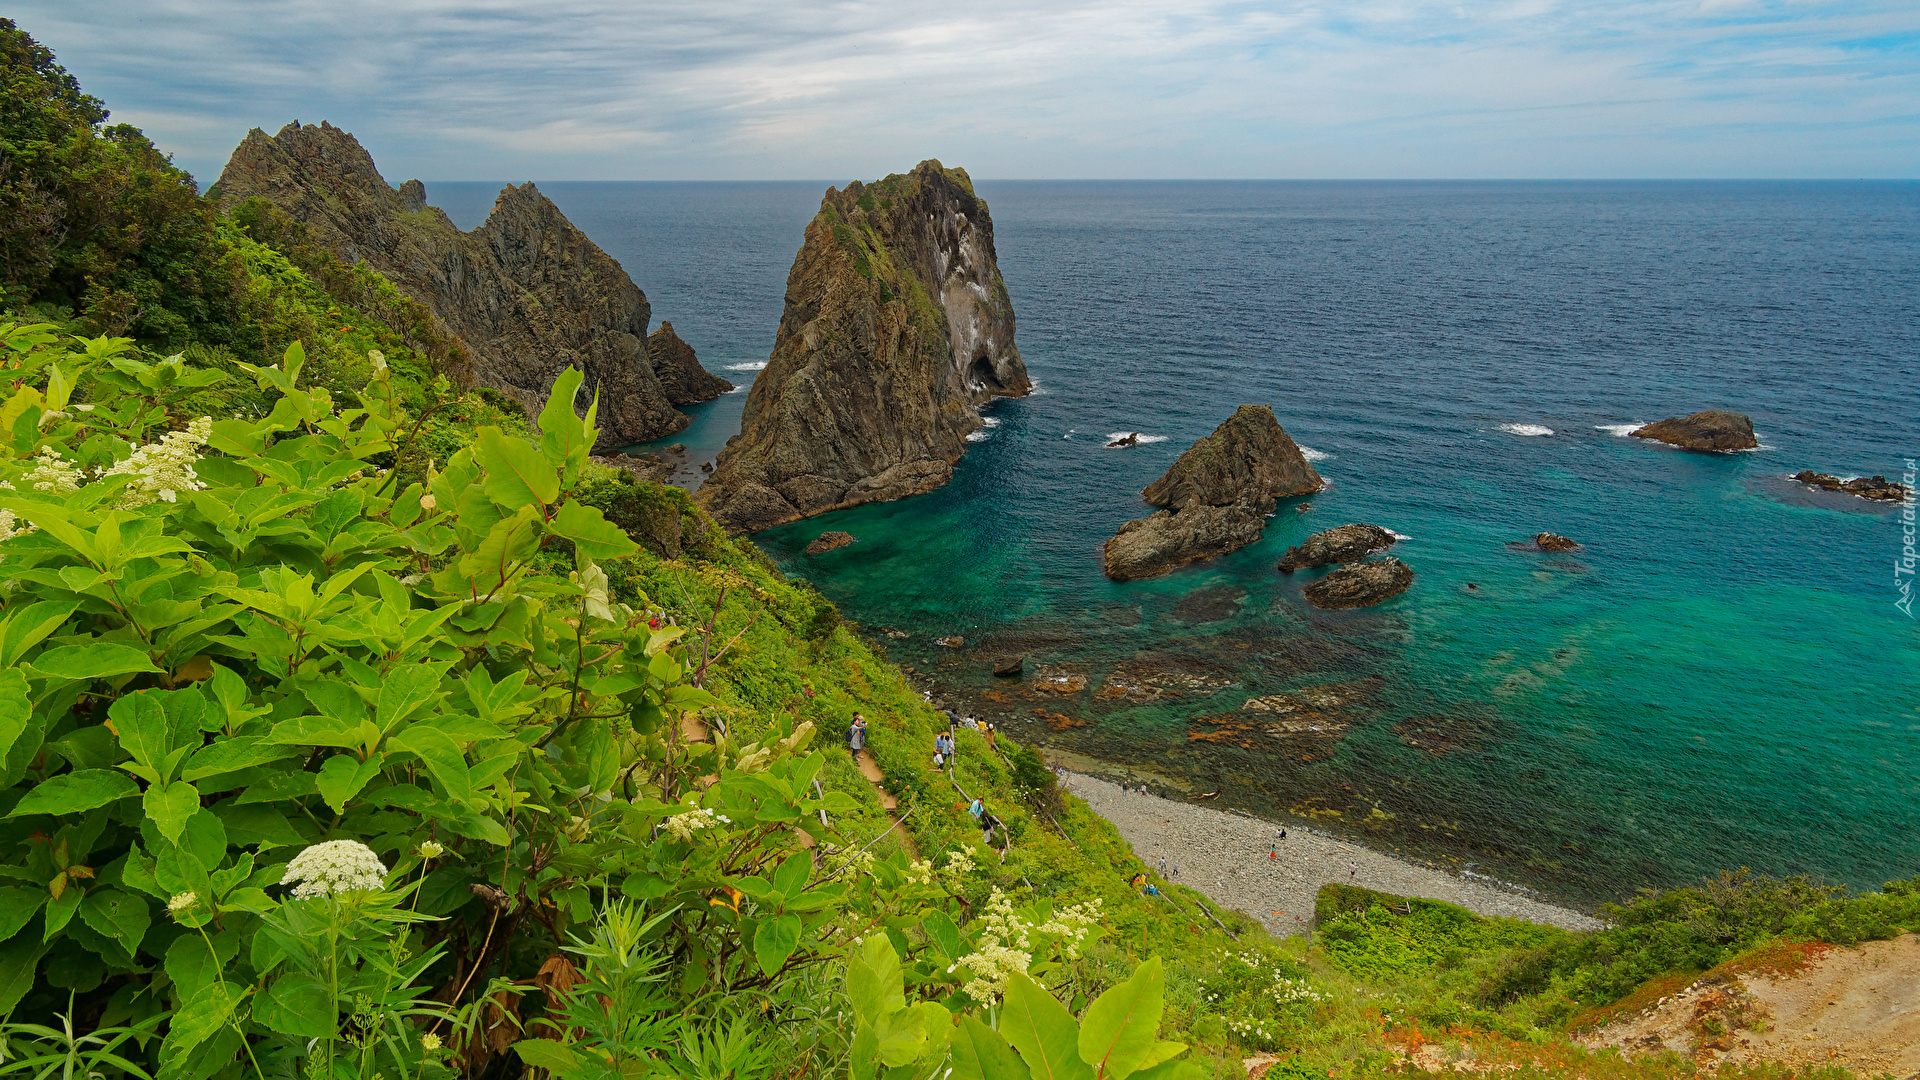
[(164, 469), (1249, 1029), (53, 475), (683, 826), (333, 868), (1290, 991), (1071, 924), (920, 872), (182, 903), (1003, 951), (860, 862), (958, 863)]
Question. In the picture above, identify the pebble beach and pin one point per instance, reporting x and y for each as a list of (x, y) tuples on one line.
[(1226, 856)]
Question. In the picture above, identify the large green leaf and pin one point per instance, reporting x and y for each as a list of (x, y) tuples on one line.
[(16, 712), (343, 775), (979, 1053), (18, 958), (591, 532), (231, 755), (170, 807), (29, 626), (556, 1057), (95, 660), (71, 793), (119, 915), (17, 905), (563, 436), (1043, 1031), (792, 875), (1119, 1030), (442, 757), (298, 1006), (944, 934), (203, 1014), (905, 1038), (517, 474), (875, 986), (776, 940)]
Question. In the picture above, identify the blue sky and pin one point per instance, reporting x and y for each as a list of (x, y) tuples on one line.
[(778, 89)]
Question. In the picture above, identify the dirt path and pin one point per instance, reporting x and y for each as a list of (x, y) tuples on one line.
[(1858, 1008)]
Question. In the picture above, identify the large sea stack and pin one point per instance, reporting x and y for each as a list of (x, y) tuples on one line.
[(897, 328), (1714, 430), (1217, 497), (527, 293)]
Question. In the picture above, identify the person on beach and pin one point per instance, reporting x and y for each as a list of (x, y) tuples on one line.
[(1176, 868), (857, 737), (1353, 869), (1273, 850), (1163, 866)]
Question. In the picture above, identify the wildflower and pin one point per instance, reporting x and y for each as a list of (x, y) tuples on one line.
[(431, 850), (333, 868), (859, 861), (1072, 924), (683, 826), (959, 862), (428, 1042), (992, 965), (164, 469), (11, 525), (182, 903), (920, 872), (428, 502), (52, 474)]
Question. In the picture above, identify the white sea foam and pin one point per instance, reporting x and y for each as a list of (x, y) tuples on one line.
[(753, 365), (1622, 430), (1525, 429), (990, 421), (979, 436), (1398, 536), (1143, 440), (1311, 454)]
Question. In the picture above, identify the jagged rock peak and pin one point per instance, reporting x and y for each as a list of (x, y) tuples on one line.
[(1218, 496), (527, 292), (897, 329), (679, 371)]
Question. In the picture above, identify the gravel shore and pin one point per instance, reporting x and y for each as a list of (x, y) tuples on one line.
[(1226, 857)]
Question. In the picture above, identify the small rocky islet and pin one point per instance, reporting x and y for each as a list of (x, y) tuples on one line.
[(1715, 430), (1876, 488), (1216, 497)]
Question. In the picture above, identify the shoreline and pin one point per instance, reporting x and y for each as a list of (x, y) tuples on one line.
[(1226, 856)]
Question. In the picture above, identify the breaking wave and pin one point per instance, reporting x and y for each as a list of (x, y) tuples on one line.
[(1622, 430), (1525, 429), (1143, 440), (1311, 454), (751, 365)]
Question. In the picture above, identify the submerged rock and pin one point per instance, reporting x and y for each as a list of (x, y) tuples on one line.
[(829, 541), (526, 293), (1877, 488), (1715, 430), (1218, 496), (1010, 667), (1361, 585), (897, 328), (1547, 541), (1348, 543)]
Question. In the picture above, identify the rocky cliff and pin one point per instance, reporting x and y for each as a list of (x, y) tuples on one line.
[(527, 293), (1217, 497), (681, 377), (897, 328)]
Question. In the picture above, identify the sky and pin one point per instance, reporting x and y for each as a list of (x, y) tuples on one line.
[(1121, 89)]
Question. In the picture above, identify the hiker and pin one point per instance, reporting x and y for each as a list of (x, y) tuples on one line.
[(1353, 869), (987, 730), (942, 750), (1151, 890), (988, 823), (1176, 868), (1163, 866), (857, 737), (977, 808), (969, 723), (1273, 850), (1137, 880)]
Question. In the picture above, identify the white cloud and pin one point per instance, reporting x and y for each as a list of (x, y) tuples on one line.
[(593, 89)]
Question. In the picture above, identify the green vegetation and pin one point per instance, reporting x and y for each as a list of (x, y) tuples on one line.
[(354, 725)]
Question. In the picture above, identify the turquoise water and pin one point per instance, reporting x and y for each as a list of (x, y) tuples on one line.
[(1717, 678)]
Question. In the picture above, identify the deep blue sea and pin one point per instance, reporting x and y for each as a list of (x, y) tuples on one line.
[(1717, 678)]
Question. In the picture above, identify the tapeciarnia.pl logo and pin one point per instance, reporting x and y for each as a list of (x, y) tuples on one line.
[(1903, 567)]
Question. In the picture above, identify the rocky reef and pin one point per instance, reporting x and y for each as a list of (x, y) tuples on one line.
[(1361, 585), (1217, 497), (1348, 543), (1714, 430), (527, 293), (1547, 541), (897, 328), (829, 541), (1877, 488), (681, 377)]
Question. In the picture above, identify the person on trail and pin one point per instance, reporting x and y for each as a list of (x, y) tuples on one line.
[(1137, 880), (1273, 850), (1353, 869), (977, 808), (857, 737), (1163, 866), (987, 730), (1151, 890)]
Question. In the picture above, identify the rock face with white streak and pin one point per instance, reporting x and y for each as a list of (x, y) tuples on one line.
[(897, 329)]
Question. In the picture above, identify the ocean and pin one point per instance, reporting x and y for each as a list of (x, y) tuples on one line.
[(1719, 677)]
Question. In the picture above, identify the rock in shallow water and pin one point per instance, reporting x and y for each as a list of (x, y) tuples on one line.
[(829, 541), (1348, 543), (1877, 488), (1361, 585), (1547, 541), (1217, 497), (1714, 430)]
